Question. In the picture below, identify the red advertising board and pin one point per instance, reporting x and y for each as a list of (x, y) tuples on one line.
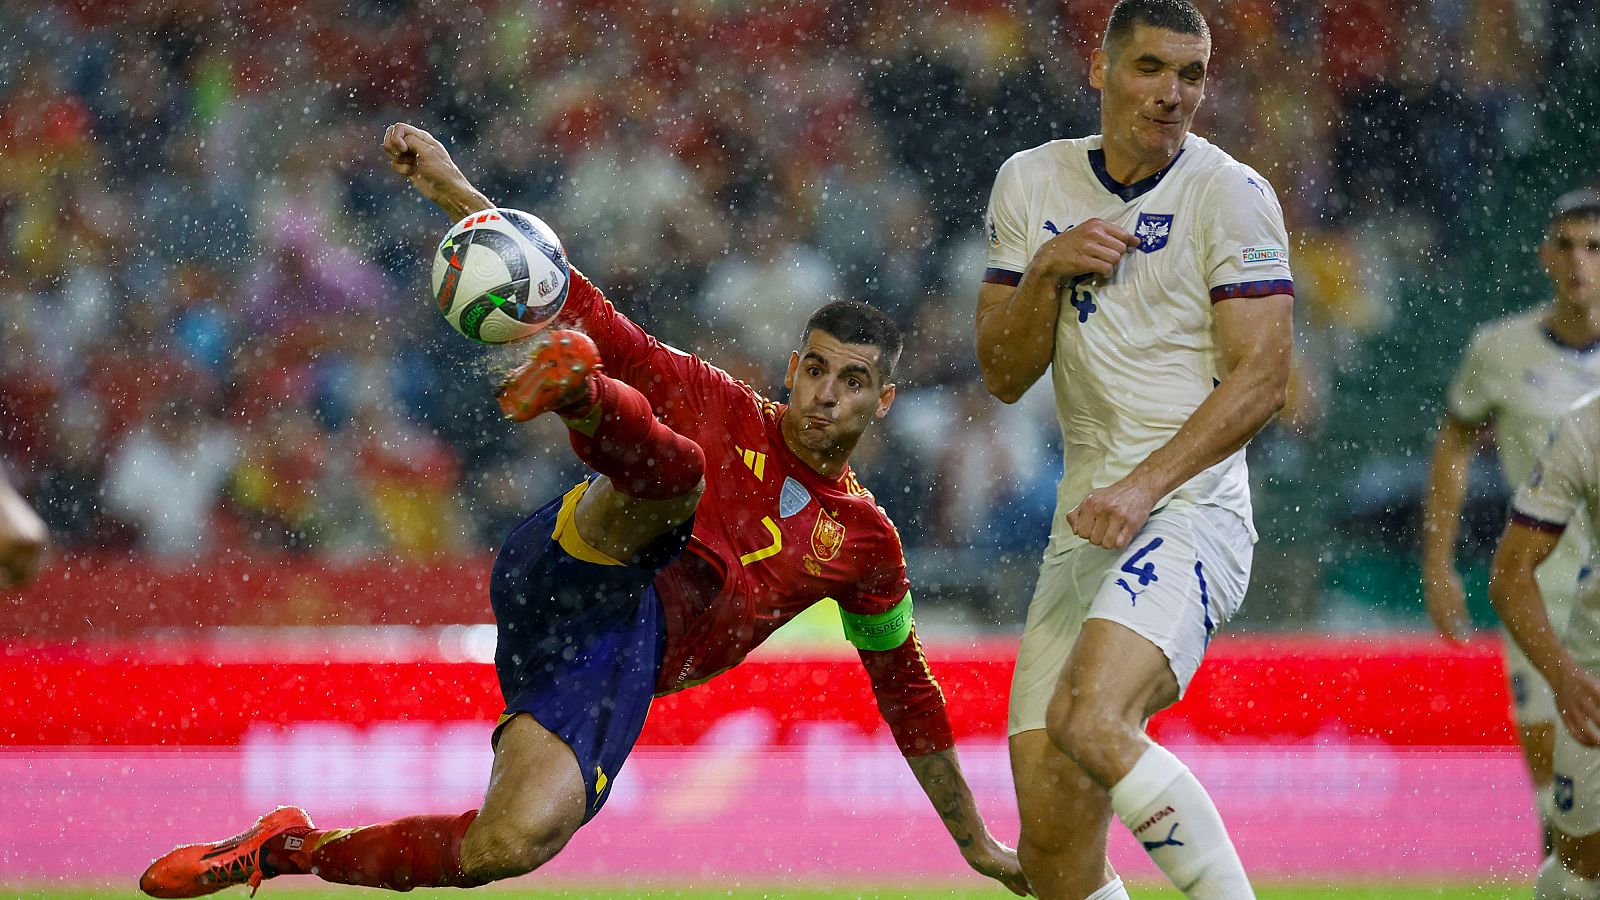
[(209, 691)]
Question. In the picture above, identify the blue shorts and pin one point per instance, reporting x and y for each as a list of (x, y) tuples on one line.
[(581, 637)]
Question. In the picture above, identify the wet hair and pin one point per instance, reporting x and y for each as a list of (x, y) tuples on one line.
[(1582, 205), (1180, 16), (854, 322)]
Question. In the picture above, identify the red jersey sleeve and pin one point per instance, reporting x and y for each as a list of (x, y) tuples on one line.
[(909, 698), (679, 386)]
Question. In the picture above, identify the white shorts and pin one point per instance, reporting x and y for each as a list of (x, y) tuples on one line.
[(1179, 581), (1576, 786), (1532, 701)]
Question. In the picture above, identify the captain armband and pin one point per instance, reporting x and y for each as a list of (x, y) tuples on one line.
[(882, 631)]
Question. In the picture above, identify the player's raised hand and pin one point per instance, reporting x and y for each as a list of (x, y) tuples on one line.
[(1092, 247), (1109, 517), (1577, 696), (1445, 599), (425, 162), (997, 861)]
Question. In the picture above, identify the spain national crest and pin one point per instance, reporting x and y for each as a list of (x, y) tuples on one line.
[(1152, 231), (827, 537)]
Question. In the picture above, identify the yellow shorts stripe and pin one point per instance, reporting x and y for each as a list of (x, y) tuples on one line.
[(566, 533)]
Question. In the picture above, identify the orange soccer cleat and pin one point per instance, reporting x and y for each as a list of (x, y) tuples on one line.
[(553, 378), (194, 870)]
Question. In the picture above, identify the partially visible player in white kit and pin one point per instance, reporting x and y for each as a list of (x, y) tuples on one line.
[(1150, 270), (1519, 374), (1562, 493)]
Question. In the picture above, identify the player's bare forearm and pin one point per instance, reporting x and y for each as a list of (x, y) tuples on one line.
[(1444, 597), (424, 161), (1016, 330), (463, 202), (1514, 592), (1447, 492), (941, 779), (1231, 414), (1257, 340), (1015, 333)]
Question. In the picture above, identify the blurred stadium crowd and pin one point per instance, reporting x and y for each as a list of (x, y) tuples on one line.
[(217, 336)]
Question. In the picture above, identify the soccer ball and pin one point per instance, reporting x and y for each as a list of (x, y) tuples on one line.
[(500, 275)]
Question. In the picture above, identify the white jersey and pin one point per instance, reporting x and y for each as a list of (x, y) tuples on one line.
[(1135, 353), (1563, 489), (1518, 378)]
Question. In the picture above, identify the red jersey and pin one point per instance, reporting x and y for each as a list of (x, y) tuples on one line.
[(771, 535)]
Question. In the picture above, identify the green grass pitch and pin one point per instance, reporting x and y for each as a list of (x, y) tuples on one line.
[(531, 891)]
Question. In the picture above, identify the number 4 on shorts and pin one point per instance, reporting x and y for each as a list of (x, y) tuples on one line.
[(1147, 572)]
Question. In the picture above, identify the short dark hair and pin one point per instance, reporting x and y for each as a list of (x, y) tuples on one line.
[(1169, 15), (1582, 205), (855, 322)]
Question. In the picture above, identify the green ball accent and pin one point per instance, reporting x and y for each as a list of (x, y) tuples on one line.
[(473, 316)]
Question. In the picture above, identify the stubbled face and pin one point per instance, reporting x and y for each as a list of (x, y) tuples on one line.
[(1149, 93), (1571, 256), (835, 392)]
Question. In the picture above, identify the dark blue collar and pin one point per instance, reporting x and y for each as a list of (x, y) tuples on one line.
[(1097, 162), (1582, 348)]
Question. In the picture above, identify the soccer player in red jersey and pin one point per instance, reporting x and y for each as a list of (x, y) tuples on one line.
[(714, 517)]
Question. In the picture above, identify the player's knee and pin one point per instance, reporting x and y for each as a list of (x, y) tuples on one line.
[(695, 493), (1040, 855), (1087, 729), (680, 508), (1057, 717), (506, 850)]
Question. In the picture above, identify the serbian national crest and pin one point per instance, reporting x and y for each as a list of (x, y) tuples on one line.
[(1152, 231), (827, 537)]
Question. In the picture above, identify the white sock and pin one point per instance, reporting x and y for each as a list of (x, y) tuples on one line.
[(1556, 882), (1168, 811), (1110, 891)]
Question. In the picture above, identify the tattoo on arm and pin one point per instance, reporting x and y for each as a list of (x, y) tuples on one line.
[(941, 779)]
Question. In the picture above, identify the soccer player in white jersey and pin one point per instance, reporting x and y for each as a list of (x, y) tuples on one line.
[(1519, 374), (1150, 271), (1562, 488)]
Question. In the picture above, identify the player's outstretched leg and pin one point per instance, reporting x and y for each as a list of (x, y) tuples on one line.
[(417, 851), (1114, 680), (653, 475), (535, 803), (612, 427)]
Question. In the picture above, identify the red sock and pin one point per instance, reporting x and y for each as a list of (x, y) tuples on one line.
[(620, 437), (417, 851)]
